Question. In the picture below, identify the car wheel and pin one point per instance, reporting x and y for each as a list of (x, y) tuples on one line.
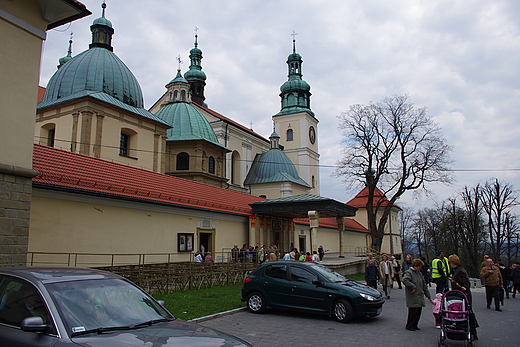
[(256, 303), (343, 311)]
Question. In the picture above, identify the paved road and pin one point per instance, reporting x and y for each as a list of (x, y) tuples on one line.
[(289, 328)]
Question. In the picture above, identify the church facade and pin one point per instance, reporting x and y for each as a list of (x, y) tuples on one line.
[(187, 173)]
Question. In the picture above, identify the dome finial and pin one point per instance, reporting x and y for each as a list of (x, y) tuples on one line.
[(294, 41), (103, 6), (179, 61), (196, 37), (68, 57)]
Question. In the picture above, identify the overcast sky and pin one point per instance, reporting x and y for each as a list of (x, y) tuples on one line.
[(459, 59)]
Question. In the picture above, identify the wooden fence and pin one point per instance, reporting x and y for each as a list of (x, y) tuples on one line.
[(169, 277)]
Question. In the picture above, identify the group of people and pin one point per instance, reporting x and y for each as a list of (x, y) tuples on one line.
[(385, 271), (262, 254), (415, 280)]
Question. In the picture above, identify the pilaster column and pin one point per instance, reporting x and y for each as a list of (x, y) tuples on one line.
[(85, 132), (314, 218), (341, 229)]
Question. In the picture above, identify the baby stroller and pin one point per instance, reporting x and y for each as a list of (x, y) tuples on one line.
[(455, 317)]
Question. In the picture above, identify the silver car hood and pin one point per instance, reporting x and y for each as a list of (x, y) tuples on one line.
[(175, 333)]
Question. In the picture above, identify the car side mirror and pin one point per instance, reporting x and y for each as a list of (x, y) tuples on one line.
[(34, 324)]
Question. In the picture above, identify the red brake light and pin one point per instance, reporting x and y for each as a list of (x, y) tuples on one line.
[(247, 280)]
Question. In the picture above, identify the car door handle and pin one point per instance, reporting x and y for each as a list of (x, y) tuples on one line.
[(265, 283), (293, 288)]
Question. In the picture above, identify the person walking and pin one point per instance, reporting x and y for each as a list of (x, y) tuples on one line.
[(460, 281), (440, 272), (387, 274), (397, 269), (426, 272), (372, 274), (321, 252), (407, 263), (505, 273), (415, 290), (515, 277), (315, 257), (493, 282)]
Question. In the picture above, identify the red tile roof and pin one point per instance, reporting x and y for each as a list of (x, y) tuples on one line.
[(361, 199), (226, 119), (92, 175), (350, 224), (41, 92)]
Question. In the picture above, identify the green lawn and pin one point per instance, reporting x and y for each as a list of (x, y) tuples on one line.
[(192, 304)]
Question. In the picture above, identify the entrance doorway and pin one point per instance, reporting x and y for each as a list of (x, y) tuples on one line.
[(276, 240), (302, 244), (206, 241)]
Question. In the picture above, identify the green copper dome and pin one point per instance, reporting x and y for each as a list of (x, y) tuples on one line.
[(187, 122), (177, 111), (295, 85), (102, 20), (273, 166), (96, 69)]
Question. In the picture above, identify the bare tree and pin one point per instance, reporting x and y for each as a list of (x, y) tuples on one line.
[(473, 237), (497, 199), (511, 231), (406, 229), (394, 146)]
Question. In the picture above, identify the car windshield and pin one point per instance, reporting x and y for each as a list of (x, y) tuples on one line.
[(328, 274), (87, 305)]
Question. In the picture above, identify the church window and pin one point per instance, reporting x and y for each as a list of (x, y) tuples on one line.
[(48, 134), (124, 145), (128, 143), (50, 137), (183, 95), (313, 182), (175, 95), (211, 165), (289, 135), (235, 168), (183, 161)]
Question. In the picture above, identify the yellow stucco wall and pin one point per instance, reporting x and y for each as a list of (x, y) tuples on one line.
[(19, 82), (109, 122), (72, 223), (329, 238)]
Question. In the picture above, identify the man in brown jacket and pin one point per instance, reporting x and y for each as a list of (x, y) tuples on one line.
[(493, 282)]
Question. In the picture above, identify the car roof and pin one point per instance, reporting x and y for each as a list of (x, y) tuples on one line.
[(291, 262), (56, 274)]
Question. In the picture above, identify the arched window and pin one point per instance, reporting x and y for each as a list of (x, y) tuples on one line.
[(289, 135), (211, 165), (235, 168), (48, 134), (183, 161), (183, 95)]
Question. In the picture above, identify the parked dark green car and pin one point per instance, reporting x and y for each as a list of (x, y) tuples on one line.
[(309, 286)]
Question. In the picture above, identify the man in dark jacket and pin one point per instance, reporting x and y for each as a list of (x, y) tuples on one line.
[(372, 274)]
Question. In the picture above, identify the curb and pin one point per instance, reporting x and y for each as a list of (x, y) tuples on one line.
[(217, 315)]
